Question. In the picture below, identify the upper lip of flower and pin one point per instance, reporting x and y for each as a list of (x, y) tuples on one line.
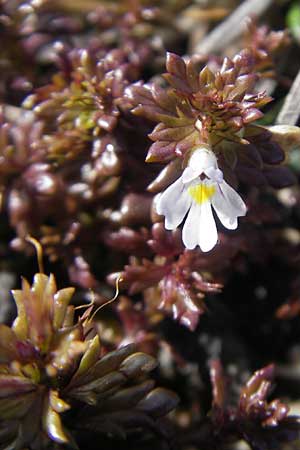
[(202, 162), (200, 187)]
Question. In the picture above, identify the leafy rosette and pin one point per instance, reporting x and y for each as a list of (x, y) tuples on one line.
[(18, 145), (172, 281), (262, 424), (198, 108), (265, 45), (87, 95), (54, 365)]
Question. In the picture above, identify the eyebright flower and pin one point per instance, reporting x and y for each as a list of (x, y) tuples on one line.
[(200, 187)]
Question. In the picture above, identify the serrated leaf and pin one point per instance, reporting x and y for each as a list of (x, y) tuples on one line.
[(107, 364), (52, 425), (127, 398), (159, 402), (89, 358), (137, 364), (61, 301)]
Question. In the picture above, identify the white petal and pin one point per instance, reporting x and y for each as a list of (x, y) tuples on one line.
[(214, 174), (224, 211), (228, 205), (207, 232), (169, 196), (189, 174), (201, 159), (174, 203), (200, 228), (191, 227), (234, 199)]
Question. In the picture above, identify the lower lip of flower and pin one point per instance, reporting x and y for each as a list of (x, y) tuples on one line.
[(202, 193)]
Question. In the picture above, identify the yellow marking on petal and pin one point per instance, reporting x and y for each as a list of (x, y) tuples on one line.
[(202, 193)]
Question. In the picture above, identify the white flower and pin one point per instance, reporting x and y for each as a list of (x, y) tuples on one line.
[(200, 187)]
